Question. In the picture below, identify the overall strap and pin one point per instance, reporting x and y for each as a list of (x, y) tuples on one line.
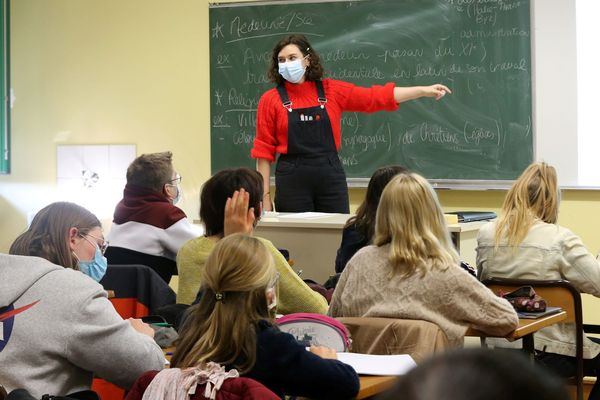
[(321, 93), (287, 103)]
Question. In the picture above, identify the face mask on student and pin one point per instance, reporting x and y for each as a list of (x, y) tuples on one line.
[(95, 268), (177, 197), (292, 71)]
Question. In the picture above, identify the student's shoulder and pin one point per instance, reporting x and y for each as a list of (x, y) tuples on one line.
[(195, 246)]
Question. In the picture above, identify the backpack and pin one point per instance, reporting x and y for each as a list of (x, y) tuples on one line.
[(316, 329)]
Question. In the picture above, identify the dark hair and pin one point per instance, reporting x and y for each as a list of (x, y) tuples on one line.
[(151, 171), (219, 187), (48, 235), (479, 374), (314, 72), (364, 220)]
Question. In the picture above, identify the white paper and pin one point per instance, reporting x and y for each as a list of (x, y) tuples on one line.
[(370, 364), (303, 215)]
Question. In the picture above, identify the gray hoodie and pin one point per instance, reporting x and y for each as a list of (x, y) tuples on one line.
[(57, 329)]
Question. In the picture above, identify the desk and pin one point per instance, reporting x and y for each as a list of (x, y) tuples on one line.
[(373, 385), (313, 242), (526, 329)]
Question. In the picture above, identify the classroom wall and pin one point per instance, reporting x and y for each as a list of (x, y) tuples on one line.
[(99, 72)]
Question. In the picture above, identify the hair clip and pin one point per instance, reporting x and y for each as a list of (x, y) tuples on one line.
[(220, 296)]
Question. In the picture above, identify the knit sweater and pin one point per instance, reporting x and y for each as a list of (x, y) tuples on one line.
[(450, 298), (272, 117), (294, 294)]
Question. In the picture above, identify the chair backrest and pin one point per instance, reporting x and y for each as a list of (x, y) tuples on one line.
[(420, 339), (138, 290), (557, 293)]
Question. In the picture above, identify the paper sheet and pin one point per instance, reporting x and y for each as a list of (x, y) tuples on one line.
[(369, 364), (303, 215)]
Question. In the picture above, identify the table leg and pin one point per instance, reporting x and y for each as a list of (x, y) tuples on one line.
[(529, 346)]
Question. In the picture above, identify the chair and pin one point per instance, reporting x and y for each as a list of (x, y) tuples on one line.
[(557, 293), (138, 290), (2, 393), (420, 339)]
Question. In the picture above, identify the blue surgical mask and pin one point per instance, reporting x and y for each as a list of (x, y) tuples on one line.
[(292, 71), (178, 196), (95, 268)]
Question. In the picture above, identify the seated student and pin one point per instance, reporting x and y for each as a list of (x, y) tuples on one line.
[(359, 230), (527, 243), (412, 270), (478, 374), (215, 207), (233, 326), (148, 228), (57, 326)]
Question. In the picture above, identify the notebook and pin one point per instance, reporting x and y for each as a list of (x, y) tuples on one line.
[(535, 315), (470, 216)]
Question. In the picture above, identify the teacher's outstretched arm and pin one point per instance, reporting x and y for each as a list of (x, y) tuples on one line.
[(264, 167), (402, 94)]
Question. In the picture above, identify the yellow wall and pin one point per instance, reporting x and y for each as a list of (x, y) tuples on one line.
[(137, 71)]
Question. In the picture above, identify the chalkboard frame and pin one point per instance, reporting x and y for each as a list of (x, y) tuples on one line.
[(463, 184)]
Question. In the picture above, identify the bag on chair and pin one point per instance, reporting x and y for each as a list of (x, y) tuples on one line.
[(525, 299), (316, 329)]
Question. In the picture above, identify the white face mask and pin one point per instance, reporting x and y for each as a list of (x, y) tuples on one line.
[(292, 71)]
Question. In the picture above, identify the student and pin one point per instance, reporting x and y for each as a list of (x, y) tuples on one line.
[(412, 270), (148, 228), (478, 374), (220, 199), (359, 230), (233, 326), (300, 120), (58, 328), (526, 242)]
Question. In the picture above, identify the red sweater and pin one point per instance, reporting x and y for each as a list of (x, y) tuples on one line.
[(272, 119)]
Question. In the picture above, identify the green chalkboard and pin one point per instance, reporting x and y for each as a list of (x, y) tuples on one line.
[(481, 49)]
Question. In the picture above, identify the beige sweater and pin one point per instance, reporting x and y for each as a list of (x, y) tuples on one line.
[(452, 299)]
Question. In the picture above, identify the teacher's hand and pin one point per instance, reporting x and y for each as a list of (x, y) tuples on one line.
[(238, 217), (438, 91)]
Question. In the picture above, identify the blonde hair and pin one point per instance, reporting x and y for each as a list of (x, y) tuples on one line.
[(222, 327), (411, 220), (533, 196)]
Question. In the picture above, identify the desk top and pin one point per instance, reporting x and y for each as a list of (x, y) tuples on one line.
[(526, 326), (335, 221)]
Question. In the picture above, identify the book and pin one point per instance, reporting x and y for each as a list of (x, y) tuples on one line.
[(535, 315), (470, 216)]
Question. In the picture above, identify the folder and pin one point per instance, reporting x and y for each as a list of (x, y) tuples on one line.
[(470, 216)]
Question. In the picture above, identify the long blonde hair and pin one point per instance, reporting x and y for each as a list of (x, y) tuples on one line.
[(222, 327), (411, 220), (533, 196)]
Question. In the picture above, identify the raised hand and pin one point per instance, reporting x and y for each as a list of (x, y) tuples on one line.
[(238, 217)]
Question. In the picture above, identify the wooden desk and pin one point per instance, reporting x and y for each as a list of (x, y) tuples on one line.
[(526, 329), (313, 242), (373, 385)]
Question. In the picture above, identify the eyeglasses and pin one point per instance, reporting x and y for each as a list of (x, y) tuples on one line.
[(176, 180), (102, 246)]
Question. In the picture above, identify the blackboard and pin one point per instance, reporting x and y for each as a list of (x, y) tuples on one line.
[(481, 49)]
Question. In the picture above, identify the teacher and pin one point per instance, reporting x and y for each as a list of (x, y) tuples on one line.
[(300, 120)]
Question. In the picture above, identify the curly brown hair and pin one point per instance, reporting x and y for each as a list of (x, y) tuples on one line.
[(314, 72)]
